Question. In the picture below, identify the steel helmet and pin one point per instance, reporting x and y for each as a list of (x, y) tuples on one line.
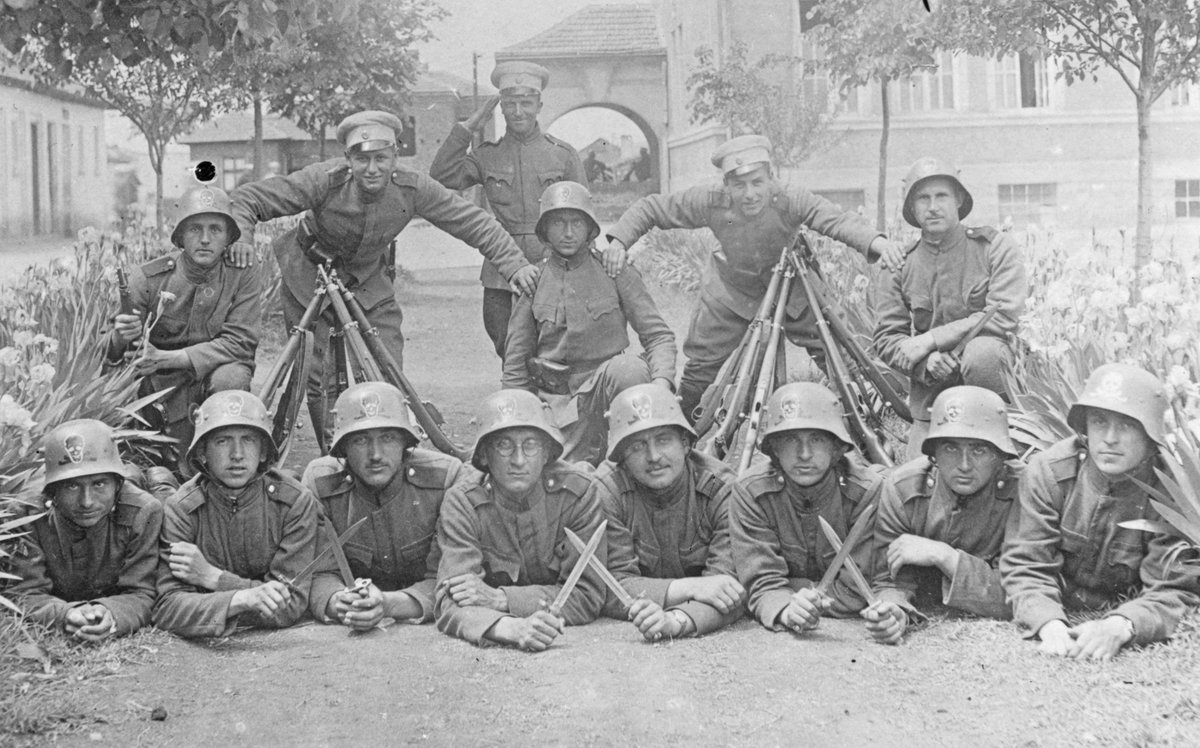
[(927, 168), (803, 405), (1128, 390), (508, 409), (370, 405), (81, 447), (200, 201), (969, 412), (231, 408), (641, 408), (563, 195)]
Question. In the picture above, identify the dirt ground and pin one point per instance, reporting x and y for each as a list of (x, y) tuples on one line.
[(953, 683)]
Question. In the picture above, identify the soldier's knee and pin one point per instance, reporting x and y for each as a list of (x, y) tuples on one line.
[(235, 376), (626, 370), (985, 363)]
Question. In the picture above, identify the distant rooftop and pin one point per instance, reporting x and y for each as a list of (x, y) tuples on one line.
[(596, 30)]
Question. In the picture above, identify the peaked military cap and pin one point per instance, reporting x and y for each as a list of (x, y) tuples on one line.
[(520, 77), (742, 154), (371, 130)]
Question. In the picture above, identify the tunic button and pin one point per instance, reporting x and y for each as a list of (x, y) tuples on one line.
[(412, 471), (348, 479), (270, 489), (550, 482)]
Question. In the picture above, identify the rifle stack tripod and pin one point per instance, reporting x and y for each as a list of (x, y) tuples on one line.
[(757, 366), (358, 355)]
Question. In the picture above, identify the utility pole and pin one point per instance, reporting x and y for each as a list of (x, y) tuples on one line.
[(474, 93)]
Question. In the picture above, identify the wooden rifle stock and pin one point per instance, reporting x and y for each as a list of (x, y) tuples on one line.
[(123, 296), (766, 373)]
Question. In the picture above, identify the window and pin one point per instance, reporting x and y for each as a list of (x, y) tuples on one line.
[(81, 146), (96, 151), (852, 200), (1027, 204), (1187, 198), (1184, 94), (231, 171), (1022, 82), (926, 91)]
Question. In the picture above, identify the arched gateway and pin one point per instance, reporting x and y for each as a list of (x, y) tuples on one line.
[(608, 56)]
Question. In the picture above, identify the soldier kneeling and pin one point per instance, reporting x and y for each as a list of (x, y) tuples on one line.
[(88, 565), (942, 517), (567, 341), (237, 535), (376, 471), (668, 520)]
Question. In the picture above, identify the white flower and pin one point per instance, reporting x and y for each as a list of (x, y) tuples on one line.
[(167, 296), (9, 356), (23, 338), (89, 235), (1178, 377), (41, 373), (12, 414)]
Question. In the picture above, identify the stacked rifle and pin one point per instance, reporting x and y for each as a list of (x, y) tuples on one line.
[(357, 355), (733, 405)]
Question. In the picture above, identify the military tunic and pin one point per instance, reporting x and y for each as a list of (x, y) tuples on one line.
[(741, 269), (1068, 552), (514, 171), (214, 316), (519, 547), (112, 563), (266, 531), (778, 546), (943, 289), (915, 500), (654, 540), (396, 548)]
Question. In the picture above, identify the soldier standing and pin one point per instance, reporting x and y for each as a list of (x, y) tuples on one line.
[(513, 170), (668, 520), (354, 207), (376, 471), (754, 218), (1069, 552), (88, 565), (505, 554), (942, 516), (237, 532), (779, 550), (567, 341), (952, 275), (207, 335)]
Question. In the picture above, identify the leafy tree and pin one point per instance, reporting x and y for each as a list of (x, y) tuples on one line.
[(1151, 45), (760, 98), (873, 41), (358, 56), (107, 32)]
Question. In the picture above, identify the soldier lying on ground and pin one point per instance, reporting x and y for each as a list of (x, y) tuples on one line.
[(235, 534), (207, 336), (377, 471), (942, 516), (354, 207), (505, 554), (1068, 551), (668, 520), (88, 565), (779, 550), (513, 170), (754, 217), (567, 341), (952, 274)]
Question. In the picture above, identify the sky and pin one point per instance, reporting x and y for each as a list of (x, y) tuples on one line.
[(485, 26)]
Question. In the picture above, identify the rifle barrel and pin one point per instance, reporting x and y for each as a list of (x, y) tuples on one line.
[(766, 373)]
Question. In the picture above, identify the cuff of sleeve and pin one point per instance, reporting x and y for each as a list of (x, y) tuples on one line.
[(422, 592), (523, 601), (1147, 627), (870, 254), (706, 617), (771, 605), (228, 582), (1037, 613)]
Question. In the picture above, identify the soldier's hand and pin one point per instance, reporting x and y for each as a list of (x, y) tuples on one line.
[(803, 612), (155, 359), (92, 622), (652, 621), (914, 550), (1056, 639), (941, 365), (1100, 639), (615, 258), (534, 633), (481, 115), (525, 280), (188, 564), (891, 253), (721, 591), (240, 255), (128, 327), (914, 350), (886, 622), (357, 611), (470, 589), (266, 599)]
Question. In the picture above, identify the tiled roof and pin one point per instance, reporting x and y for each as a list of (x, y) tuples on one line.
[(596, 30)]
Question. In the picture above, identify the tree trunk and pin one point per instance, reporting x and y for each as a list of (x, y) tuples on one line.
[(321, 139), (259, 150), (156, 162), (881, 195)]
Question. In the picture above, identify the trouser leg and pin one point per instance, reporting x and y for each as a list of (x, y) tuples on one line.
[(986, 362), (497, 308), (586, 440), (712, 335)]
